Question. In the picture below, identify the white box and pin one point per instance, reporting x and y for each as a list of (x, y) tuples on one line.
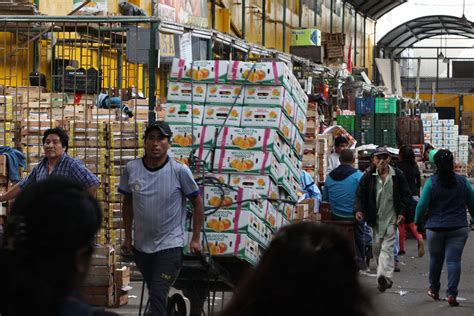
[(225, 94), (298, 144), (270, 96), (183, 135), (447, 122), (267, 117), (463, 138), (270, 214), (451, 136), (436, 123), (300, 121), (436, 136), (262, 139), (426, 123), (264, 185), (181, 154), (436, 129), (451, 128), (217, 115), (183, 92), (184, 113), (452, 148), (427, 129), (239, 198), (450, 142), (266, 73), (437, 143), (204, 71), (429, 116)]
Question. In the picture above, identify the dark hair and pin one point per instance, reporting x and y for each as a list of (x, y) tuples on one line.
[(340, 140), (445, 168), (346, 156), (407, 154), (61, 134), (50, 223), (308, 269)]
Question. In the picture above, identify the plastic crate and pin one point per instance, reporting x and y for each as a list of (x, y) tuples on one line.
[(385, 105), (364, 122), (364, 137), (385, 137), (365, 106), (385, 121), (346, 121)]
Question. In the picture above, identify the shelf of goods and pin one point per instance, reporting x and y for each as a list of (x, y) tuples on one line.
[(246, 122)]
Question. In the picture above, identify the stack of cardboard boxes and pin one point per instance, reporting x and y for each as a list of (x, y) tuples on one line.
[(246, 122), (312, 127)]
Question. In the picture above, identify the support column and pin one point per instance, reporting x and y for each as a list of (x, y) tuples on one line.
[(365, 39), (264, 20), (284, 25), (152, 60), (355, 38), (331, 16), (243, 18)]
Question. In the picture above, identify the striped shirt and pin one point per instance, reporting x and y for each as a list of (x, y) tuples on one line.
[(66, 166), (159, 203)]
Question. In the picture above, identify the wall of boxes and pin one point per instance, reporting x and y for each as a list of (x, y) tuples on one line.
[(246, 121), (445, 134)]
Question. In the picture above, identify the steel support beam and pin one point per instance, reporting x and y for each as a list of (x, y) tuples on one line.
[(152, 65), (284, 25)]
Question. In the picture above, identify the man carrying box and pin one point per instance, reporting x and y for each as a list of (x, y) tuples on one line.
[(340, 143), (155, 189)]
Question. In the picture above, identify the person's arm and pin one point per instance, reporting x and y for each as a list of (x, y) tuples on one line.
[(198, 219), (423, 203), (83, 175), (11, 194), (405, 196), (331, 164), (127, 216), (470, 199), (93, 190), (360, 196)]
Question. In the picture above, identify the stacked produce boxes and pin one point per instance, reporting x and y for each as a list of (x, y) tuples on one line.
[(246, 121)]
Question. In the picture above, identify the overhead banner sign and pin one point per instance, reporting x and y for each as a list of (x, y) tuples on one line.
[(191, 12)]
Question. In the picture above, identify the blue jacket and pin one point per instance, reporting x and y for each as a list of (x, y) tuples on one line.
[(446, 206), (340, 188), (310, 189), (16, 159)]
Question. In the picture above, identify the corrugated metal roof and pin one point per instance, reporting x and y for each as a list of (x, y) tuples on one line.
[(375, 8), (408, 33)]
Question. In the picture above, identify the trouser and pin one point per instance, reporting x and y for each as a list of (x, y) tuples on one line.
[(383, 247), (160, 270), (447, 245), (402, 229)]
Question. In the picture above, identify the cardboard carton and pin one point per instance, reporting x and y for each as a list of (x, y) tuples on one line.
[(182, 92), (187, 136), (300, 121), (297, 143), (263, 185), (306, 37), (265, 73), (184, 113), (267, 117), (239, 198), (203, 71), (219, 115), (270, 96), (225, 94), (270, 214), (182, 155)]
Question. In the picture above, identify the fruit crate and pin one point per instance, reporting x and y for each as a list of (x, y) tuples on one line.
[(385, 121), (384, 137), (386, 106), (346, 121), (364, 122), (364, 137), (365, 106)]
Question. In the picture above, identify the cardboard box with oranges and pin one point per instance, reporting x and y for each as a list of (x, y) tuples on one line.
[(281, 220), (270, 214), (297, 143), (262, 117), (203, 71), (236, 221), (270, 96), (224, 94), (300, 121), (184, 113), (184, 92), (264, 73), (187, 135), (229, 245), (241, 198), (288, 183), (264, 185), (222, 114), (286, 208), (182, 155), (246, 161), (267, 140)]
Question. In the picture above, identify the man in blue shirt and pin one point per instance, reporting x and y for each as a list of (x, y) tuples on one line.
[(339, 190), (56, 163)]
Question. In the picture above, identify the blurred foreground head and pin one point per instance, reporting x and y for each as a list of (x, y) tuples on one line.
[(48, 244), (308, 269)]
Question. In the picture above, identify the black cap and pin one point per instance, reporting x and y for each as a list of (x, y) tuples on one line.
[(163, 127), (381, 150), (340, 140)]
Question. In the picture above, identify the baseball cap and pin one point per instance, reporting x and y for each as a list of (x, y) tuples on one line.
[(381, 150), (163, 127)]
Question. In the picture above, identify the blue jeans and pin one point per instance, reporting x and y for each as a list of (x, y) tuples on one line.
[(160, 270), (360, 241), (396, 247), (447, 245)]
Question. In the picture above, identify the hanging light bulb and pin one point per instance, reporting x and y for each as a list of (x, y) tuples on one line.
[(440, 55)]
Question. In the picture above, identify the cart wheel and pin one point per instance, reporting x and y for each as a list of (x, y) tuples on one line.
[(176, 306)]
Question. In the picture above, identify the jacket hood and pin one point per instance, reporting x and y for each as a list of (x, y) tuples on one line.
[(342, 172)]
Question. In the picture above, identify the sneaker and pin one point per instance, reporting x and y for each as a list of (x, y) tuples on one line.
[(452, 300), (421, 248), (401, 253), (397, 267), (383, 283), (433, 295)]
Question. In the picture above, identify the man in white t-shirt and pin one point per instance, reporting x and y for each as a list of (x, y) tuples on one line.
[(340, 143), (155, 189)]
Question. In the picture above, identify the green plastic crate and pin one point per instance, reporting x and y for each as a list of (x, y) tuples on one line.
[(364, 122), (385, 137), (385, 105), (385, 121), (346, 121), (364, 137)]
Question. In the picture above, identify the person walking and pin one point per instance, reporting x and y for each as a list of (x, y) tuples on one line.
[(408, 165), (382, 199), (155, 189), (443, 200), (339, 190)]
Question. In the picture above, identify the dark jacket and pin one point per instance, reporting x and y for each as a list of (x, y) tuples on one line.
[(412, 175), (366, 195)]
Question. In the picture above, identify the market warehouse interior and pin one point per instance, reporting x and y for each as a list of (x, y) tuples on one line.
[(217, 135)]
